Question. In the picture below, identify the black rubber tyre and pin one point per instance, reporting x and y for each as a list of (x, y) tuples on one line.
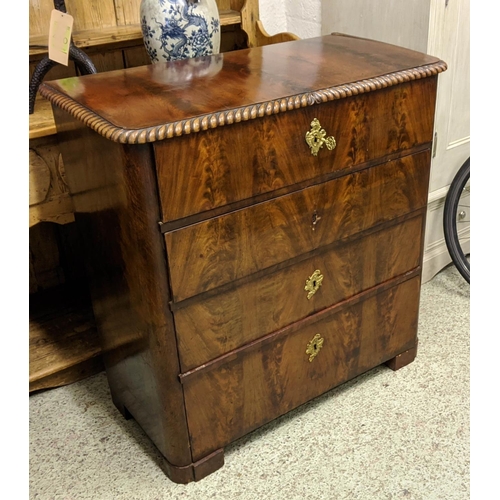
[(450, 220)]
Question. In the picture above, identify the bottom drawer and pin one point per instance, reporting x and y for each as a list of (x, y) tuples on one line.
[(227, 400)]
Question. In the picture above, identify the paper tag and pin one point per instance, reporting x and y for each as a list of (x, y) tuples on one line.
[(61, 25)]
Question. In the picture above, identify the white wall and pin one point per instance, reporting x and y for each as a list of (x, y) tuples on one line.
[(404, 23), (301, 17), (272, 13)]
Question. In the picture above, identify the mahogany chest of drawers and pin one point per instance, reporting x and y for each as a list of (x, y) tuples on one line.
[(254, 225)]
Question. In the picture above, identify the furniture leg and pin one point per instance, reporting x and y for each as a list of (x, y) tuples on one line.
[(194, 471), (403, 359)]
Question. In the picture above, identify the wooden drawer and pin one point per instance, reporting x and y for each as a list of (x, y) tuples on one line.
[(223, 321), (228, 400), (200, 172), (221, 250)]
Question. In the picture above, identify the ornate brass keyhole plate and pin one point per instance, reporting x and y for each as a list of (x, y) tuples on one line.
[(314, 346), (316, 138), (313, 283)]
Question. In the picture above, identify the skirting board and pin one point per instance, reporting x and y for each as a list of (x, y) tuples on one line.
[(436, 256)]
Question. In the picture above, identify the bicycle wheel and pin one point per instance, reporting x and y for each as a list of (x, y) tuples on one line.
[(456, 217)]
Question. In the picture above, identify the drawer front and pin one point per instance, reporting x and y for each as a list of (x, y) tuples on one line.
[(235, 398), (204, 171), (221, 250), (216, 325)]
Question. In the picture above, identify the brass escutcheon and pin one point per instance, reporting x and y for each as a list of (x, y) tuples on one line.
[(314, 346), (316, 139), (313, 283)]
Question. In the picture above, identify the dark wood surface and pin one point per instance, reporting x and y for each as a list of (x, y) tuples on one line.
[(199, 246), (116, 209), (226, 320), (146, 96), (365, 127), (223, 249), (243, 394), (150, 104)]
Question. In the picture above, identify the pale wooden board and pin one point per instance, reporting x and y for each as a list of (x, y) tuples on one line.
[(112, 36), (91, 14), (41, 122), (50, 200), (127, 11), (39, 16)]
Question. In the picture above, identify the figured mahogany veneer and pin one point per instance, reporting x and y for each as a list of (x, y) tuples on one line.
[(365, 128), (207, 222), (220, 322), (226, 248), (358, 335)]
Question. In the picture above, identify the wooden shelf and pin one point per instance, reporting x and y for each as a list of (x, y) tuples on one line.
[(64, 345), (114, 36), (42, 120)]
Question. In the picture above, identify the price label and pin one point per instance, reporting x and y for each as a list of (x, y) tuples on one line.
[(61, 26)]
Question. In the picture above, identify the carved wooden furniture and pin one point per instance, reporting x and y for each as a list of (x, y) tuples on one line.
[(63, 343), (254, 225)]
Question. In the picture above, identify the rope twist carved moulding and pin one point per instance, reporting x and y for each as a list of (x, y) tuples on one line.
[(229, 117)]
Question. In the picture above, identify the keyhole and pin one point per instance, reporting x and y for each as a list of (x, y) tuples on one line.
[(315, 347), (314, 284), (315, 219)]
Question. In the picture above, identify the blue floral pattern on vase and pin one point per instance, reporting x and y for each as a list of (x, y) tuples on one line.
[(180, 29)]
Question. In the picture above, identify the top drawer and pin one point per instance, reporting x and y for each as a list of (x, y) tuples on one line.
[(204, 171)]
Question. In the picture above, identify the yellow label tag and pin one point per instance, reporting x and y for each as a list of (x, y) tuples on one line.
[(60, 28)]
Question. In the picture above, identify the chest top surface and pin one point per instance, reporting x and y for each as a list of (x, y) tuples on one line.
[(154, 102)]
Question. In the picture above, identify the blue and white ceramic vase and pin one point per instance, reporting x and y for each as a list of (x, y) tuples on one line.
[(180, 29)]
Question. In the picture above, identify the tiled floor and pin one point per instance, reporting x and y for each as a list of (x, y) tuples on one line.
[(385, 435)]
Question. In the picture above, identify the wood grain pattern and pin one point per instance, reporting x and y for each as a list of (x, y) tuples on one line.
[(50, 200), (224, 321), (100, 29), (127, 12), (115, 24), (232, 4), (41, 123), (39, 16), (262, 37), (212, 253), (44, 258), (216, 173), (39, 173), (228, 402), (90, 14), (204, 318), (113, 187)]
